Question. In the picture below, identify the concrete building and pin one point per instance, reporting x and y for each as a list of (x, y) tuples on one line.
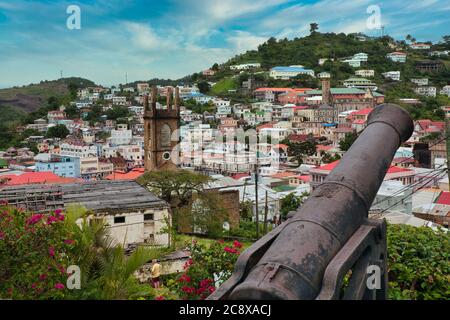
[(428, 91), (121, 135), (133, 215), (63, 166), (286, 73), (365, 73), (393, 75), (397, 56)]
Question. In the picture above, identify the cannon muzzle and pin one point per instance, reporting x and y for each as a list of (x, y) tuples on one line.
[(308, 255)]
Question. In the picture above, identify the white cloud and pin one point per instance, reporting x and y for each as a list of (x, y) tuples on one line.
[(242, 41)]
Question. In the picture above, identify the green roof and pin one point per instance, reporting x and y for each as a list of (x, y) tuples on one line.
[(284, 188), (3, 163), (338, 91)]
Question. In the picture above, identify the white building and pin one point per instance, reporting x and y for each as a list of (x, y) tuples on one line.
[(286, 73), (365, 73), (420, 81), (121, 135), (393, 75), (397, 56), (78, 150), (428, 91), (119, 101), (245, 66), (446, 90), (133, 153), (420, 46)]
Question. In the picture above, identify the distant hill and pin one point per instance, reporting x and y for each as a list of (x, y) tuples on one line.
[(31, 97)]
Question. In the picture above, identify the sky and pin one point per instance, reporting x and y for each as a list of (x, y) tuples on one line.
[(174, 38)]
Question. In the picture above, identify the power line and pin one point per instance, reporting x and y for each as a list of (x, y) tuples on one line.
[(408, 186), (410, 195)]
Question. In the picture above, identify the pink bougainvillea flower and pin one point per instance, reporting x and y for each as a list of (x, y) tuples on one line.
[(205, 282), (160, 298), (58, 211), (2, 235), (51, 219), (237, 244), (34, 219), (69, 241), (184, 278), (231, 250), (59, 286), (220, 241), (51, 251), (42, 277)]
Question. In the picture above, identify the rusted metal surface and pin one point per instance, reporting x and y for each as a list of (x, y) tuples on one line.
[(307, 256)]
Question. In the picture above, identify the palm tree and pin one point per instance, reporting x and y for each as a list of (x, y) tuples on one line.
[(107, 272)]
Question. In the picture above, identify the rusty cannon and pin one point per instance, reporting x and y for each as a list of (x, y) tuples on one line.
[(328, 247)]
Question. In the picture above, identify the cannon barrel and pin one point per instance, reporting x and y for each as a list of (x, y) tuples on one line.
[(292, 266)]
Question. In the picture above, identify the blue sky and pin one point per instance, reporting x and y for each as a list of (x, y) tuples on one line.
[(173, 38)]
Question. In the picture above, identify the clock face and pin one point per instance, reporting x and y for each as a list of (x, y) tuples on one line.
[(166, 156)]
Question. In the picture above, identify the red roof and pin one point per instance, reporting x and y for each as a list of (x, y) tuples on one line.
[(444, 198), (332, 165), (132, 175), (36, 178), (298, 137), (240, 176), (329, 166), (323, 148), (305, 178), (362, 112), (395, 169)]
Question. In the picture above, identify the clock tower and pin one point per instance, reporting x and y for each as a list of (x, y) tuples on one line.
[(161, 132)]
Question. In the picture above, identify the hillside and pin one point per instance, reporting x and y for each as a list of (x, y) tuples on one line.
[(31, 97)]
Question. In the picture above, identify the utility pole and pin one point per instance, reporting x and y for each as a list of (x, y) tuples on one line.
[(447, 146), (266, 209), (256, 187)]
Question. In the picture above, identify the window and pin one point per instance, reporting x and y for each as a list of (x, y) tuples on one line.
[(148, 217), (119, 219)]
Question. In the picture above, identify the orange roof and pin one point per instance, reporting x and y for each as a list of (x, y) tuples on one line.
[(132, 175), (323, 148), (37, 178), (283, 175)]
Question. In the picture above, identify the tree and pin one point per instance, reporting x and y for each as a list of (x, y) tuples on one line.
[(328, 158), (298, 150), (418, 263), (313, 27), (59, 131), (203, 87), (289, 203), (215, 67), (192, 204), (72, 111), (117, 112), (347, 142)]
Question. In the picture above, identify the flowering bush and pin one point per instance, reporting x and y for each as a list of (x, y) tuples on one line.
[(209, 267), (35, 250)]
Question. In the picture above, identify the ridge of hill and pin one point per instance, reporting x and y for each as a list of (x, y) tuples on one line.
[(31, 97)]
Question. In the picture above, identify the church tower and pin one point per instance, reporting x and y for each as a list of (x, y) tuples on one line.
[(161, 127)]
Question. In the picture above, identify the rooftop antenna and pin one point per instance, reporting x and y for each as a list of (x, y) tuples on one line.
[(61, 73), (382, 31)]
